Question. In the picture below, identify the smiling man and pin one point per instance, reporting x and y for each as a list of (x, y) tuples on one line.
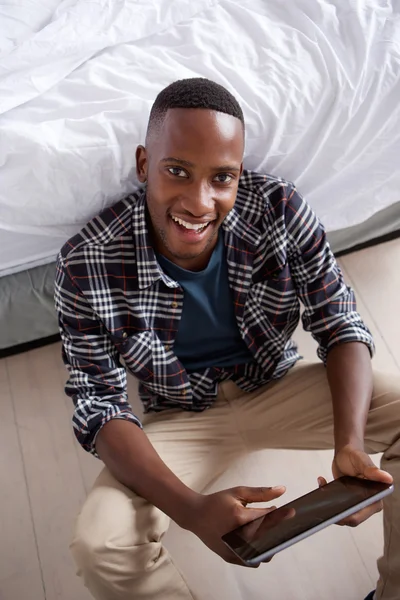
[(184, 233), (195, 283)]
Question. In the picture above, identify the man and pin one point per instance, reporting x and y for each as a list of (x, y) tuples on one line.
[(194, 282)]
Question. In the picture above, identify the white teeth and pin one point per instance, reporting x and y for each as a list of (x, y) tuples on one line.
[(189, 225)]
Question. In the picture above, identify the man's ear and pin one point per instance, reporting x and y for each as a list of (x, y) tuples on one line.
[(141, 164)]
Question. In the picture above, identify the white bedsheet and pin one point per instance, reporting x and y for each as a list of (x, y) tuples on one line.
[(319, 83)]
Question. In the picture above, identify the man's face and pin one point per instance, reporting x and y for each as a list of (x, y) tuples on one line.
[(192, 167)]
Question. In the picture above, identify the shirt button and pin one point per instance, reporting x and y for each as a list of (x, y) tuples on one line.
[(124, 335), (174, 305), (183, 393), (167, 347)]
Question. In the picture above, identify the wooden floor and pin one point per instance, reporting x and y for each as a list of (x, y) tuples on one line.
[(45, 476)]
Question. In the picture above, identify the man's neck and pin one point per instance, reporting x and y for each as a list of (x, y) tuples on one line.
[(190, 263)]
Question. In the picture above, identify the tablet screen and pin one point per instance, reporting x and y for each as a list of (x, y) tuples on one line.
[(294, 519)]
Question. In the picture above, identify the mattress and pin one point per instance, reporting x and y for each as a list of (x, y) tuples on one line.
[(318, 82)]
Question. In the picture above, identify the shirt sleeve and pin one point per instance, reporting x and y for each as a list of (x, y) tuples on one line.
[(330, 305), (97, 380)]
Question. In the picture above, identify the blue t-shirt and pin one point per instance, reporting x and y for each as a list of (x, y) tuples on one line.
[(208, 333)]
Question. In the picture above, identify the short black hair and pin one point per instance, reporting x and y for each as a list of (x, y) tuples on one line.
[(196, 92)]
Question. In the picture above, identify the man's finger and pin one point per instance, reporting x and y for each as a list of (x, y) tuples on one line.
[(248, 495), (362, 515), (373, 473), (267, 560), (264, 562), (233, 559)]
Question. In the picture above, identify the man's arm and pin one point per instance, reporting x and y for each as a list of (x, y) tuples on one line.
[(97, 380), (128, 453), (345, 343), (350, 380), (131, 458), (105, 425)]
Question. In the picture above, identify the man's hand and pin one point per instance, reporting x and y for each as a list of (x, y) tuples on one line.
[(217, 514), (354, 462)]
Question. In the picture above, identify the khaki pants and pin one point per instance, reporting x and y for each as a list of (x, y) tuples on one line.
[(117, 543)]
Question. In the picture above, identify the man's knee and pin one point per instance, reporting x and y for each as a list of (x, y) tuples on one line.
[(85, 553), (110, 557), (117, 533)]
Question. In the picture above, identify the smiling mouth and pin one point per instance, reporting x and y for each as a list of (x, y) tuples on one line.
[(195, 227)]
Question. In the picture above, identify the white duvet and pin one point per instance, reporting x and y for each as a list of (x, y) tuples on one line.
[(319, 82)]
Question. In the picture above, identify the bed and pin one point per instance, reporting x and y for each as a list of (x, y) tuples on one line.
[(318, 82)]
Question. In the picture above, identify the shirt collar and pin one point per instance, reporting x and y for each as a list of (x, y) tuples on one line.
[(148, 269), (242, 229)]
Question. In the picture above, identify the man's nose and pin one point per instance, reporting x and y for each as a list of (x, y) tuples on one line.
[(199, 200)]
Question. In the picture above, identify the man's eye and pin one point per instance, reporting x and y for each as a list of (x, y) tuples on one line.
[(224, 178), (177, 172)]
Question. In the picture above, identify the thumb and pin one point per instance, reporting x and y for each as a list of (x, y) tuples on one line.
[(375, 474), (365, 467), (248, 495)]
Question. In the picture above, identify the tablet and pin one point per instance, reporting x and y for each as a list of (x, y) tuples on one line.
[(259, 540)]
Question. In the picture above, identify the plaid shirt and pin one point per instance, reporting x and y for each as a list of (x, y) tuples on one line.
[(114, 302)]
